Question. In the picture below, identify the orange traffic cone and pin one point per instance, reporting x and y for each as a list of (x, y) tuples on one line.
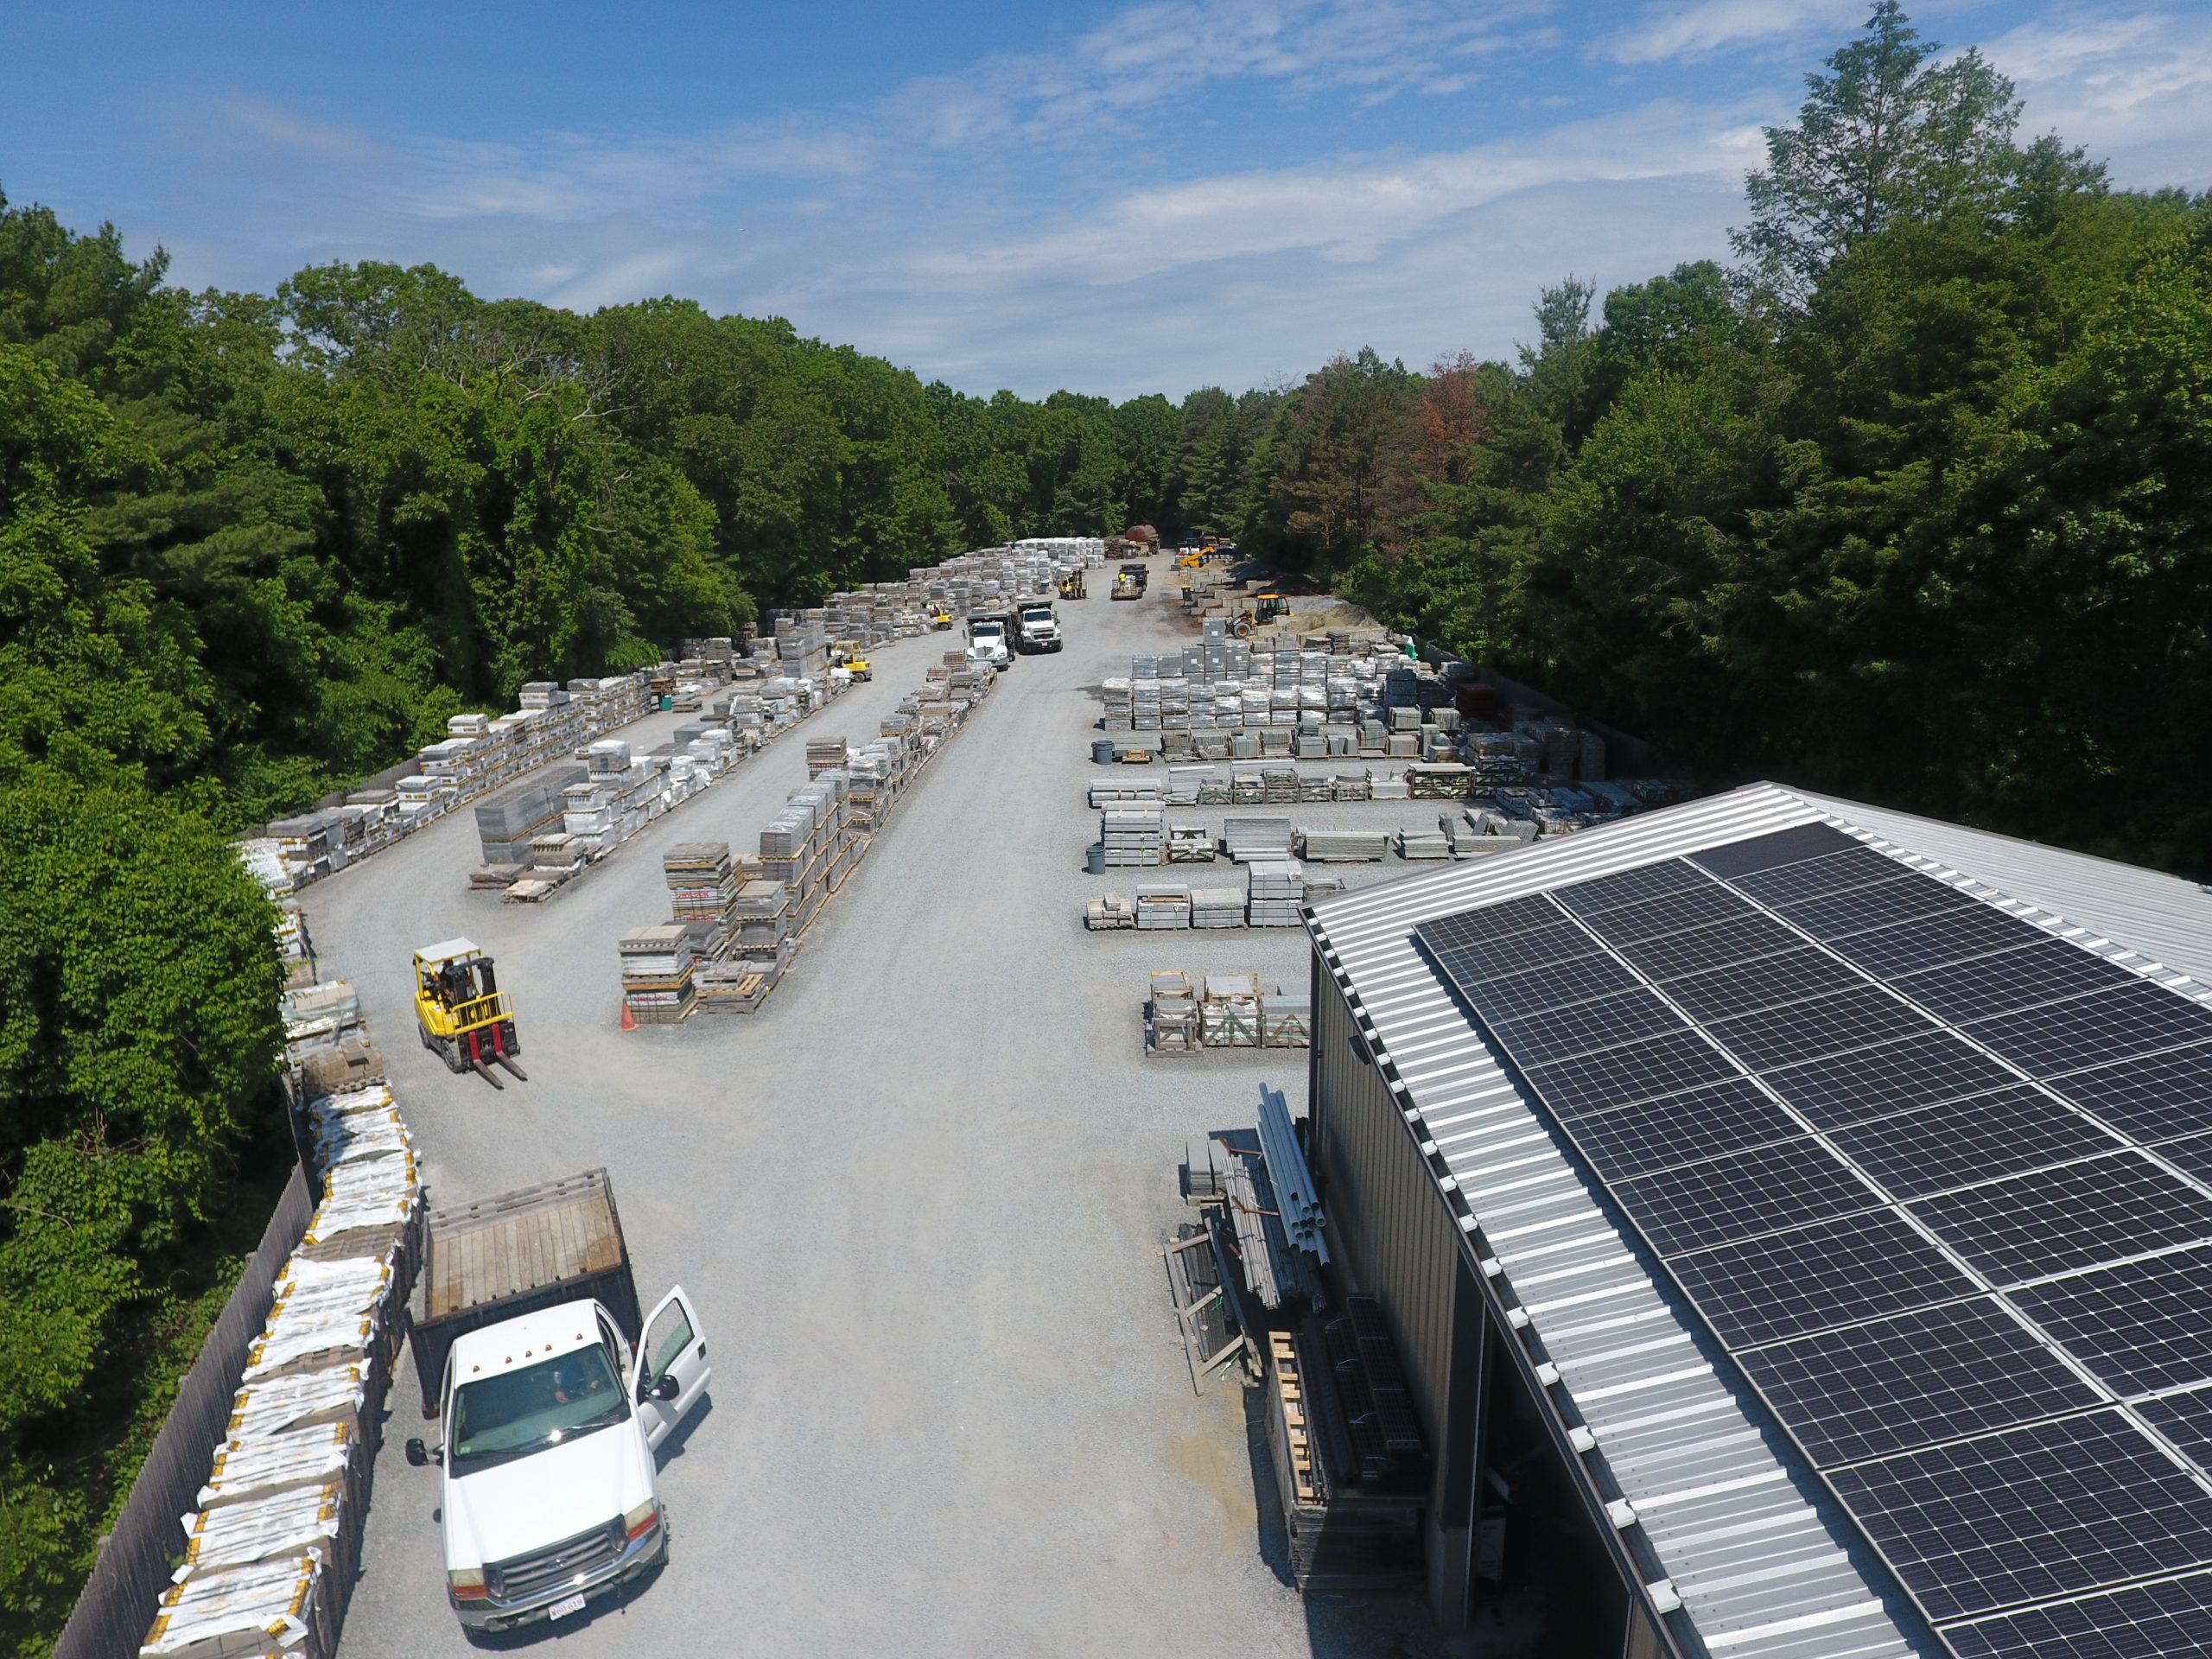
[(629, 1019)]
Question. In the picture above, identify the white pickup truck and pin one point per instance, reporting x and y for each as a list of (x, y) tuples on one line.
[(551, 1428), (1040, 628), (550, 1414)]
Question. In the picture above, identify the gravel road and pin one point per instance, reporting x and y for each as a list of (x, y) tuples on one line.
[(918, 1199)]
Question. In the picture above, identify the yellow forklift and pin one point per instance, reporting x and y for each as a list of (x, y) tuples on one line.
[(942, 622), (1071, 585), (464, 1017)]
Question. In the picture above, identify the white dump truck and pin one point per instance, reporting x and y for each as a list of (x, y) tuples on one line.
[(553, 1398), (1040, 628), (990, 639)]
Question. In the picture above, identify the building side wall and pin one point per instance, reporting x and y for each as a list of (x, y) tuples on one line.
[(1382, 1206)]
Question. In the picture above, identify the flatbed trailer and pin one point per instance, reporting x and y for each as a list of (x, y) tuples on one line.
[(512, 1253)]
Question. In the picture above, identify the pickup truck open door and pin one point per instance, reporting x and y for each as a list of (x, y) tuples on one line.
[(674, 1351)]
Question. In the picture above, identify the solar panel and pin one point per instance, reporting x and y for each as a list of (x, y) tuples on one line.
[(1580, 1027), (2111, 1025), (1839, 872), (2140, 1327), (2143, 1621), (1926, 1151), (1832, 1273), (1517, 953), (1548, 986), (1678, 1128), (1738, 939), (2153, 1098), (2192, 1156), (1735, 860), (1805, 1031), (1630, 886), (1895, 1077), (1620, 1076), (1972, 930), (2075, 1216), (1932, 1374), (1903, 897), (2186, 1420), (2044, 971), (1670, 913), (1766, 982), (1974, 1454), (2033, 1512), (1497, 921), (1763, 1191)]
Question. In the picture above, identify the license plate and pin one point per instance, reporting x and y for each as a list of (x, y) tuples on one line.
[(566, 1605)]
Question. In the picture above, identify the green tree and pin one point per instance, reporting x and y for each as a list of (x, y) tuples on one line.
[(1889, 131)]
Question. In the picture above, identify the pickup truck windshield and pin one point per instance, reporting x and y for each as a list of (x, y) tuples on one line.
[(542, 1405)]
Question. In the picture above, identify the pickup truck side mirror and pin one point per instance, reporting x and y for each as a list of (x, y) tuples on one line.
[(663, 1386), (420, 1455)]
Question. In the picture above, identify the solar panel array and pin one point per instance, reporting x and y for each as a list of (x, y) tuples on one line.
[(1936, 1177)]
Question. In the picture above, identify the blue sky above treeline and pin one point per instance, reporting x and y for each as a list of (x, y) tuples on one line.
[(1111, 199)]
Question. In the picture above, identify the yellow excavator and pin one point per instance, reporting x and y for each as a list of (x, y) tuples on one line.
[(464, 1017)]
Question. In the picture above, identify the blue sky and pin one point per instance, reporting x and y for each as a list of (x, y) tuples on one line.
[(1115, 198)]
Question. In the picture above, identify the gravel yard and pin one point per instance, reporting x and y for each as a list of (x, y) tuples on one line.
[(919, 1200)]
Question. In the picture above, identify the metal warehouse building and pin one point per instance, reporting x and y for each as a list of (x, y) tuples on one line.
[(1796, 1218)]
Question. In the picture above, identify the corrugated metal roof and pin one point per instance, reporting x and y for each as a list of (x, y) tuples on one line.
[(2161, 916), (1743, 1548), (1758, 1569), (1739, 1533)]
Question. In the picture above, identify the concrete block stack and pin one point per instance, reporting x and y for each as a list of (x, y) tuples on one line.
[(507, 824), (656, 970), (701, 893)]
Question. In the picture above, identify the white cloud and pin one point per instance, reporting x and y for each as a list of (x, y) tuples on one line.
[(639, 275), (1352, 212), (1665, 33), (2135, 87)]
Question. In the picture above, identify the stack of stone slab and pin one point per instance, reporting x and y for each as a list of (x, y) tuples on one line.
[(1343, 846), (1414, 843), (1172, 1025), (822, 753), (1217, 906), (1278, 888), (1109, 913), (1247, 839), (1133, 835), (1163, 904)]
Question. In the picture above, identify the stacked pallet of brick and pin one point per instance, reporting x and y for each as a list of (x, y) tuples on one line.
[(271, 1550), (656, 965), (701, 893)]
